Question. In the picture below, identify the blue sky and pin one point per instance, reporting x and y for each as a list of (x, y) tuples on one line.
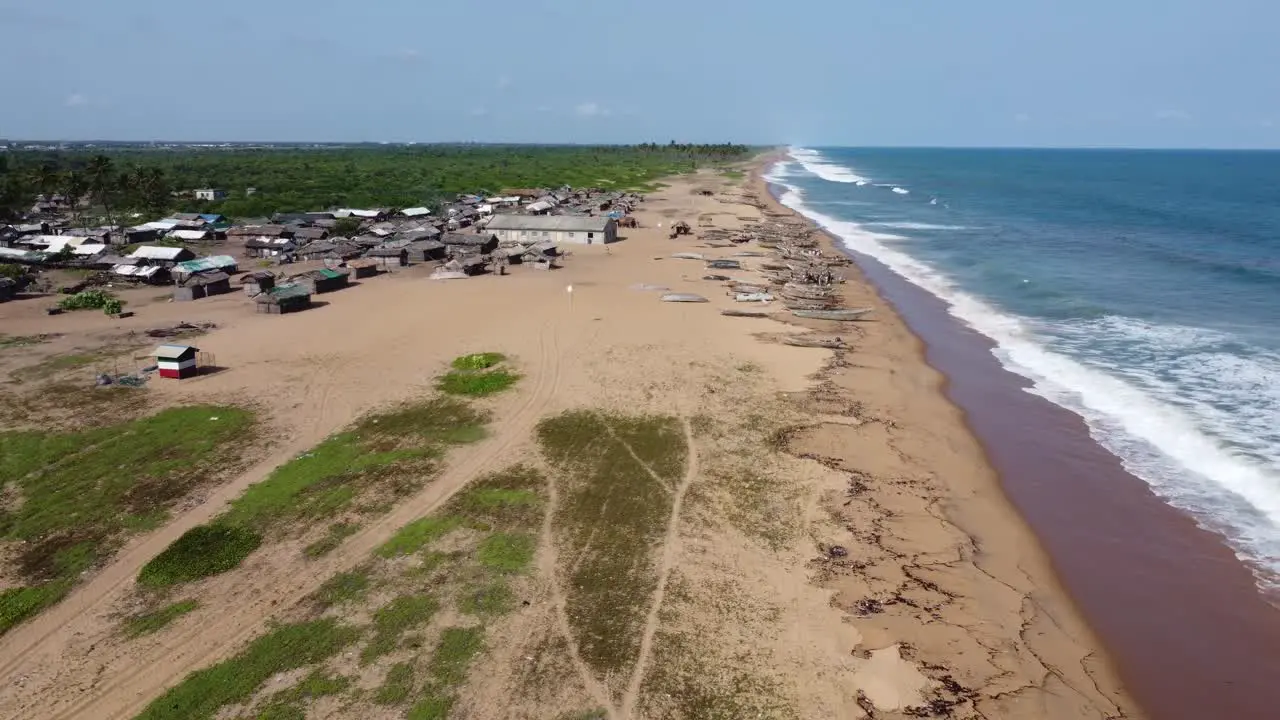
[(1144, 73)]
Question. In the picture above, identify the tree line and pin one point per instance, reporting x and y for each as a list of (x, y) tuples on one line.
[(260, 182)]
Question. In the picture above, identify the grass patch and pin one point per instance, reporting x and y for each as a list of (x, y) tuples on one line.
[(157, 620), (478, 361), (506, 552), (431, 708), (79, 493), (387, 455), (53, 366), (17, 341), (733, 174), (203, 693), (373, 452), (476, 383), (396, 686), (341, 588), (413, 537), (201, 552), (393, 619), (507, 499), (613, 513), (330, 542), (447, 671), (490, 599), (290, 704)]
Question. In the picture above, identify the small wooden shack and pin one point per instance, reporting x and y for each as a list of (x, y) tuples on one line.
[(325, 280), (426, 250), (194, 287), (388, 258), (364, 267), (177, 361), (287, 298), (257, 282)]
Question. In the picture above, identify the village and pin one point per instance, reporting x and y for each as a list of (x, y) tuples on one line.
[(281, 262)]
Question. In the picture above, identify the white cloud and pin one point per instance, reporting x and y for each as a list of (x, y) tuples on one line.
[(1178, 115), (1022, 117), (76, 100), (504, 82), (479, 112), (590, 109)]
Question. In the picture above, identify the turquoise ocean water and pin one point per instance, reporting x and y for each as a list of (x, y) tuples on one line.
[(1137, 289)]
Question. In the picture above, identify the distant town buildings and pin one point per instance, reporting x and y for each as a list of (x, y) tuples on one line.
[(210, 194)]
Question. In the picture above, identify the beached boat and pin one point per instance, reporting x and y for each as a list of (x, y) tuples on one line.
[(687, 256), (683, 298), (816, 341), (753, 297), (840, 315), (746, 313), (718, 278), (724, 265)]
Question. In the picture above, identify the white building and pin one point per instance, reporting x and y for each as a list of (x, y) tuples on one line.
[(553, 228), (210, 194)]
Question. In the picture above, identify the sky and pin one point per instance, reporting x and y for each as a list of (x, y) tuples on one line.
[(1095, 73)]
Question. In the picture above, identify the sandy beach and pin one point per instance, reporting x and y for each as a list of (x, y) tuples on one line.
[(834, 543)]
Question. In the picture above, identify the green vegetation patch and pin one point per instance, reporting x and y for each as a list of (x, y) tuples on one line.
[(342, 588), (477, 383), (203, 693), (478, 361), (396, 686), (416, 535), (447, 671), (392, 620), (507, 552), (509, 499), (330, 542), (203, 551), (389, 455), (613, 512), (156, 620), (290, 704), (79, 493), (489, 599)]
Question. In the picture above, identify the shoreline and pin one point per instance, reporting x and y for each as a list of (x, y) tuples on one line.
[(1005, 548), (1179, 614)]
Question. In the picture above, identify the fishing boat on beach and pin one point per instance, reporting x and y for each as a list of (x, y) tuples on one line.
[(839, 315)]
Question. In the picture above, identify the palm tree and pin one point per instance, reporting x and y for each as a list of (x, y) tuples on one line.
[(102, 181), (73, 185)]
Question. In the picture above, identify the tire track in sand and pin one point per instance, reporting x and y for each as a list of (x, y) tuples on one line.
[(124, 684), (670, 552)]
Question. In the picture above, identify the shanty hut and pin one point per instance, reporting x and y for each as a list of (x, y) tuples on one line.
[(324, 280), (213, 263), (194, 287), (483, 243), (307, 234), (257, 282), (8, 288), (388, 258), (426, 250), (363, 267), (177, 361), (282, 299)]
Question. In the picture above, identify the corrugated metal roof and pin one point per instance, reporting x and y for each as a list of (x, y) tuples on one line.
[(415, 211), (326, 272), (135, 270), (155, 252), (171, 352), (564, 223), (189, 234), (286, 291), (204, 264), (23, 255)]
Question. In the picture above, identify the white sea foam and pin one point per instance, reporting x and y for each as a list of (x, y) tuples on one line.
[(918, 226), (901, 191), (814, 162), (1197, 421)]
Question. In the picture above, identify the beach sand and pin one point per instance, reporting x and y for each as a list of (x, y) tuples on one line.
[(839, 547)]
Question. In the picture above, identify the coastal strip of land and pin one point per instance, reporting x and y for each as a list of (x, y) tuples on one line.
[(660, 511)]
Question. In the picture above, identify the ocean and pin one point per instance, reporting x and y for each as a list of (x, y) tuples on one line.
[(1139, 290)]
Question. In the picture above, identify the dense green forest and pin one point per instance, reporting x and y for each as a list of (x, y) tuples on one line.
[(286, 180)]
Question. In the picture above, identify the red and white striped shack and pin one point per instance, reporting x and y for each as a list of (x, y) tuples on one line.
[(176, 361)]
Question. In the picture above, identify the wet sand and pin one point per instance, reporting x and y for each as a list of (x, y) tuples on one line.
[(1180, 615)]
